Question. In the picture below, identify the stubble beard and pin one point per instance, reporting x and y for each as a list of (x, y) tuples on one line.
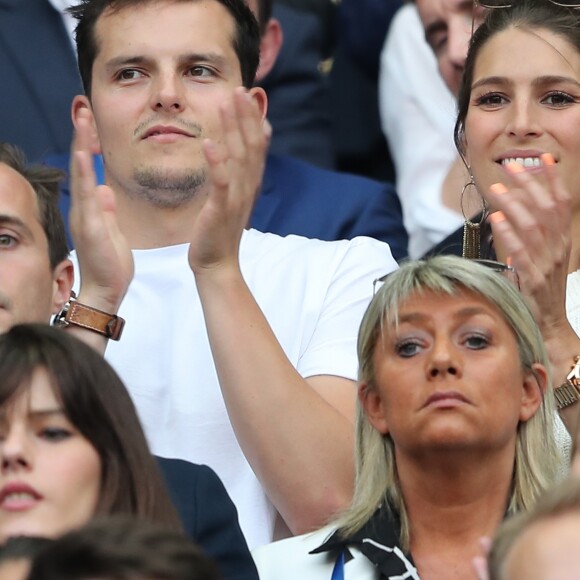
[(167, 189)]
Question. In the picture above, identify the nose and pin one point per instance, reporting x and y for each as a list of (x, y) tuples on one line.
[(444, 360), (14, 450), (168, 94), (522, 121)]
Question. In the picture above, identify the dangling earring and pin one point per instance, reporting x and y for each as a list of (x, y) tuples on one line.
[(471, 230)]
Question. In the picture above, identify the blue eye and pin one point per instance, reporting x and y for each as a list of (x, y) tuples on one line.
[(407, 348), (476, 342)]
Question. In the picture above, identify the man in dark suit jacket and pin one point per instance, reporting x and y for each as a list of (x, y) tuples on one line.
[(209, 516), (39, 78)]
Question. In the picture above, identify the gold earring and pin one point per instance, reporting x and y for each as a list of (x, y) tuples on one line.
[(471, 230)]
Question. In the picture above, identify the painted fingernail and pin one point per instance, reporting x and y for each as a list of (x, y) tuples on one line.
[(498, 188), (509, 262), (547, 159), (514, 167), (497, 217)]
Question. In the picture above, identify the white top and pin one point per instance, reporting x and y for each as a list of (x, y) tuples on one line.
[(418, 115), (573, 300), (289, 560), (312, 293)]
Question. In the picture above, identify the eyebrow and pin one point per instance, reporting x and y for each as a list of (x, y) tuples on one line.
[(537, 82), (122, 61), (45, 412), (10, 220), (38, 413)]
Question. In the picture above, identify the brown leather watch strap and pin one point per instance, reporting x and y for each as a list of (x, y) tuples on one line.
[(109, 325), (78, 314)]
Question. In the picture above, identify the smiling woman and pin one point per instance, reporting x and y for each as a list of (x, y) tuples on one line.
[(517, 128), (454, 429)]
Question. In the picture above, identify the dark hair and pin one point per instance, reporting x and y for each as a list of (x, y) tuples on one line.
[(246, 42), (125, 549), (522, 14), (97, 403), (22, 547), (264, 13), (45, 183)]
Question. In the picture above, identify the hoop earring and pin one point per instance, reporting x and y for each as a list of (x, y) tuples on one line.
[(471, 230)]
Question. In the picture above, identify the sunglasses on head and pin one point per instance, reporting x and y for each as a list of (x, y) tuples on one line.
[(505, 269), (508, 3)]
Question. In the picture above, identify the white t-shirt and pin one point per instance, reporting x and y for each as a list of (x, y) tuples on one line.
[(313, 295), (418, 115)]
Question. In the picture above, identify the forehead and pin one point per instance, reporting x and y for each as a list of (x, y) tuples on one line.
[(438, 307), (17, 197), (553, 55), (35, 393), (438, 12), (166, 28)]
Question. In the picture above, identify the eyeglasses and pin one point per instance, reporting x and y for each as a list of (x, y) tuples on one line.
[(507, 3), (492, 4), (506, 270)]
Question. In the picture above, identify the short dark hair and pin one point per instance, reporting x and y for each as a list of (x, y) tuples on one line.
[(97, 403), (125, 549), (264, 13), (522, 14), (246, 42), (45, 183)]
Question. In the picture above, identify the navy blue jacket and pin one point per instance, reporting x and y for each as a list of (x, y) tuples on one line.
[(209, 516), (299, 198), (38, 78)]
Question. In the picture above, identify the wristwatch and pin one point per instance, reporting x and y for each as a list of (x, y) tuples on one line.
[(78, 314), (569, 392)]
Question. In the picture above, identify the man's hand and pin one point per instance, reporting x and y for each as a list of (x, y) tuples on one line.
[(105, 259), (235, 166)]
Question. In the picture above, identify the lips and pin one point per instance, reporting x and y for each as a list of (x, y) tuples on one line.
[(445, 399), (18, 496), (158, 130)]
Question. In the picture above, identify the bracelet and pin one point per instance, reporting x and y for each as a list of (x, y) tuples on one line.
[(569, 392)]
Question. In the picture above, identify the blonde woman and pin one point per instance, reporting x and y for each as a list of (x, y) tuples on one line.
[(454, 429)]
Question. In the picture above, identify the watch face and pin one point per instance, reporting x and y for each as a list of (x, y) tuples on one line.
[(59, 319)]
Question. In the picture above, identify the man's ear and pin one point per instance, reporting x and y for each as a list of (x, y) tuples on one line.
[(533, 391), (259, 95), (373, 407), (62, 283), (81, 102), (270, 45)]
